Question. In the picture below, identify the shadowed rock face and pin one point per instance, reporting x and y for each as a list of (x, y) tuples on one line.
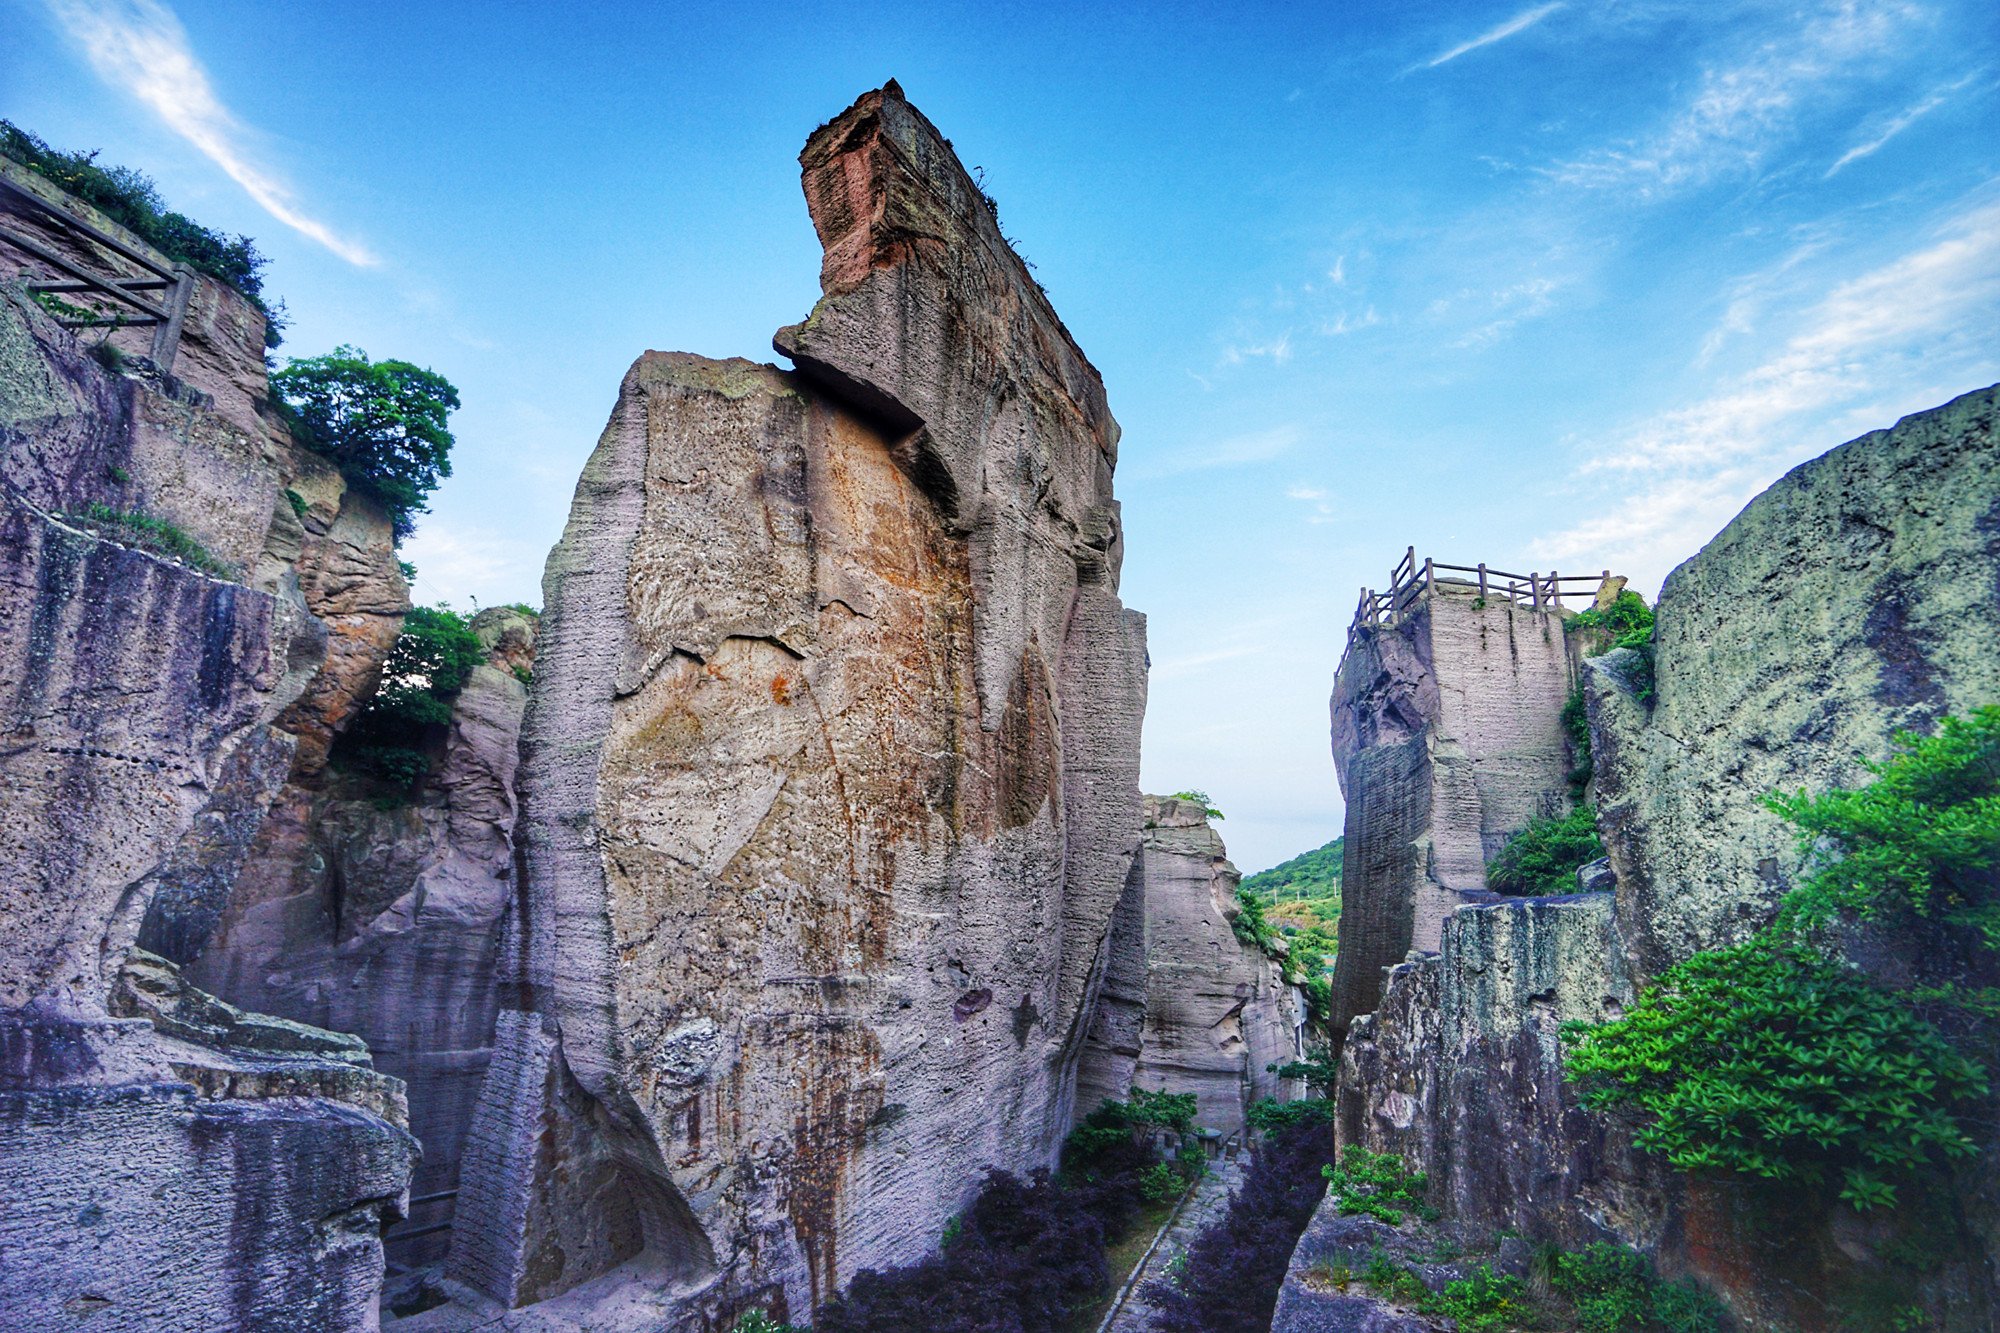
[(387, 923), (829, 782), (1186, 1006)]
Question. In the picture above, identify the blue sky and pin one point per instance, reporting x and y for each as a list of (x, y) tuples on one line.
[(1544, 285)]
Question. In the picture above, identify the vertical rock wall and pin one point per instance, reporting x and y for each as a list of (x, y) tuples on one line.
[(1186, 1006), (829, 782), (162, 1172), (1448, 740)]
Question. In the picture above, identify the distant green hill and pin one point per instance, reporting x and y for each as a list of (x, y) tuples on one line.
[(1314, 874)]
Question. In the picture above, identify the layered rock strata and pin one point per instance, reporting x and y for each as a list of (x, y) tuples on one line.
[(1186, 1005), (165, 1174), (829, 782), (1448, 739), (386, 922), (1854, 598)]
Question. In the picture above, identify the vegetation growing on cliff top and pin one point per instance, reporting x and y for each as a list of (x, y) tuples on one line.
[(1545, 856), (384, 424), (1778, 1059), (130, 199)]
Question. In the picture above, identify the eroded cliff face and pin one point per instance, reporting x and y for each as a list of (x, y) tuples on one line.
[(1185, 1005), (829, 784), (1855, 597), (386, 922), (171, 1162), (1448, 740)]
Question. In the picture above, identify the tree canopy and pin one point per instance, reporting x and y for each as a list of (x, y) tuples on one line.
[(383, 423)]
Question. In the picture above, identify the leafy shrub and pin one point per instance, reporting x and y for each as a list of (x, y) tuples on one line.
[(431, 661), (1199, 798), (1612, 1289), (1161, 1183), (382, 423), (1374, 1184), (1269, 1115), (133, 201), (1545, 856), (1776, 1060), (156, 535), (1235, 1265), (1485, 1302), (1319, 1069), (1027, 1256), (1250, 924), (1921, 842), (1629, 622)]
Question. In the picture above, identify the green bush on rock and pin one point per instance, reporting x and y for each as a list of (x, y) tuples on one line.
[(1779, 1060), (1545, 856), (431, 661), (382, 423)]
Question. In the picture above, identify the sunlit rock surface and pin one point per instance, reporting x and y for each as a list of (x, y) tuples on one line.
[(829, 784)]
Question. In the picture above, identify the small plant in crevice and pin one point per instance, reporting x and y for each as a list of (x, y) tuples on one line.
[(1576, 729), (155, 535), (758, 1321), (1544, 857), (1374, 1184), (1628, 623), (1199, 799), (1269, 1115), (1777, 1059), (429, 664)]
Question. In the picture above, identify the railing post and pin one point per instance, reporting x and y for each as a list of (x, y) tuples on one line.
[(1535, 587), (167, 333), (1482, 580), (1556, 589), (1430, 579)]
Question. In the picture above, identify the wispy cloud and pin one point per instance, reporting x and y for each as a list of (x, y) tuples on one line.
[(1896, 124), (1527, 18), (139, 47), (1278, 349), (1743, 107), (1901, 336)]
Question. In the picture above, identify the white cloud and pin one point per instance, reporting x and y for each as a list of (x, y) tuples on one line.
[(469, 565), (1896, 124), (1345, 323), (1305, 493), (1279, 349), (1742, 109), (139, 47), (1903, 336), (1516, 304), (1525, 19)]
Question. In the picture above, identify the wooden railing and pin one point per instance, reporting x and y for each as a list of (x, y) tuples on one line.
[(129, 293), (1409, 581)]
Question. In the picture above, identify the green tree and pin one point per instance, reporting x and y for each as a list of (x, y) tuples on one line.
[(431, 661), (383, 423)]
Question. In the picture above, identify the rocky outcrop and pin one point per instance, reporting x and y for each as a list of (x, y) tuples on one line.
[(1186, 1005), (1447, 737), (1853, 598), (387, 922), (829, 783), (168, 1167)]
